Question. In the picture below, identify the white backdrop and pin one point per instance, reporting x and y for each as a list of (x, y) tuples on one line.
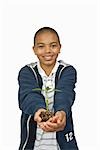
[(77, 23)]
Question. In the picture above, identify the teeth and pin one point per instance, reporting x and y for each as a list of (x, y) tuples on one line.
[(47, 57)]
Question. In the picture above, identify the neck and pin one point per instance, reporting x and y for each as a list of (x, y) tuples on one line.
[(47, 69)]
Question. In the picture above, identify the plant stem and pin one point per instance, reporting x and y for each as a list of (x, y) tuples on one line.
[(46, 100)]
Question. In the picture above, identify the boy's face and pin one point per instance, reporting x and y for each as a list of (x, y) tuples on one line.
[(47, 48)]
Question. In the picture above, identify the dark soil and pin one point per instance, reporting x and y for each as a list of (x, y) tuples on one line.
[(46, 115)]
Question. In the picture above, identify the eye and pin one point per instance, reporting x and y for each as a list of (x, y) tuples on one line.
[(53, 45), (41, 46)]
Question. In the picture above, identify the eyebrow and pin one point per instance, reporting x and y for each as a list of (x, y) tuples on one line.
[(47, 44)]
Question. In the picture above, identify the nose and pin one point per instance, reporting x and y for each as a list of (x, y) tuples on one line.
[(47, 49)]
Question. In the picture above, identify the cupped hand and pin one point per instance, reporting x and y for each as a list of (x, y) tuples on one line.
[(54, 124), (37, 117)]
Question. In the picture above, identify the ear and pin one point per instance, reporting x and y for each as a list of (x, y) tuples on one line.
[(33, 48), (59, 48)]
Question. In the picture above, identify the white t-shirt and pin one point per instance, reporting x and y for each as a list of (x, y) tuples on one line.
[(47, 140)]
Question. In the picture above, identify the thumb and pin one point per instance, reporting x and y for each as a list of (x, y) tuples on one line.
[(59, 116), (37, 117)]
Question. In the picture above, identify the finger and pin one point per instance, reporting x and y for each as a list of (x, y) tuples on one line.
[(45, 127), (54, 119), (62, 124), (59, 115), (51, 123), (37, 117), (49, 129), (41, 125), (49, 126), (56, 124), (59, 121)]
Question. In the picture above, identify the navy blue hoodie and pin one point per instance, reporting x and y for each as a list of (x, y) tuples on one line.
[(30, 101)]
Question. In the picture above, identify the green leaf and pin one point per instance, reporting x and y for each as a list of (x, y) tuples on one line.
[(48, 88), (37, 89), (57, 90)]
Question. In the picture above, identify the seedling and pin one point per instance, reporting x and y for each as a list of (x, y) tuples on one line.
[(46, 115)]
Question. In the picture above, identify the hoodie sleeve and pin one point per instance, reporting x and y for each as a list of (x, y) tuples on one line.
[(29, 101), (66, 84)]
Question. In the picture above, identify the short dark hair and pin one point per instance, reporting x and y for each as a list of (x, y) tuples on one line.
[(46, 29)]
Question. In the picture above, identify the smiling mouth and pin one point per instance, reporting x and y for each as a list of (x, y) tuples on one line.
[(48, 57)]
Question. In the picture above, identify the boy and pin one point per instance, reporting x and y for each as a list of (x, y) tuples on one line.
[(57, 133)]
